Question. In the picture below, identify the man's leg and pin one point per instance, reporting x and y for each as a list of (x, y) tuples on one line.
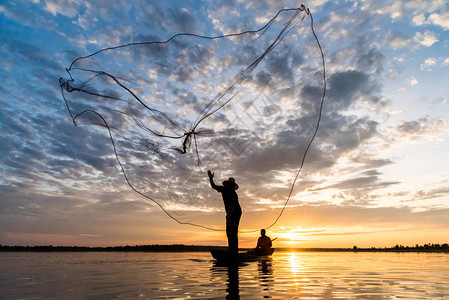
[(231, 232), (232, 229)]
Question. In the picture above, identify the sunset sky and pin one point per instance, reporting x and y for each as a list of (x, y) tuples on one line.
[(377, 173)]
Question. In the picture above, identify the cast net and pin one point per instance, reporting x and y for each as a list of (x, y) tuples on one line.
[(244, 104)]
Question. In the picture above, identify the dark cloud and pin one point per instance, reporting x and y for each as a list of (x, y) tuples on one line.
[(337, 136), (280, 66), (263, 79), (151, 51), (32, 57), (428, 194), (372, 163), (199, 54), (372, 173), (364, 182), (183, 19), (422, 126), (410, 127), (347, 87), (373, 59), (346, 133), (14, 123)]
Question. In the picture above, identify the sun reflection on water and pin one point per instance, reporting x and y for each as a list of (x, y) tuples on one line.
[(296, 267)]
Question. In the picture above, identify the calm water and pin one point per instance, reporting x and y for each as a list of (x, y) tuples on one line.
[(300, 275)]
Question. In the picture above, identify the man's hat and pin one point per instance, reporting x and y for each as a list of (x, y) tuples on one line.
[(231, 183)]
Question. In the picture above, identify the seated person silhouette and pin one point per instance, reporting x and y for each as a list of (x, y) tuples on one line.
[(263, 244)]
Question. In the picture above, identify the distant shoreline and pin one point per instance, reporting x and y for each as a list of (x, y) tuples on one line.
[(199, 248)]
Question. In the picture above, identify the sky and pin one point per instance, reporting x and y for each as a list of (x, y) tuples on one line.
[(376, 174)]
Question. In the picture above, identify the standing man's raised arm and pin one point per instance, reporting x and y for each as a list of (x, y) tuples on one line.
[(211, 179)]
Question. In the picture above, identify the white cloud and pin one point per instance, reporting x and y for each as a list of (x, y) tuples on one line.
[(67, 8), (428, 62), (445, 62), (439, 20), (419, 19), (262, 20), (413, 81), (397, 41), (392, 74), (396, 14), (427, 38), (83, 22), (394, 8)]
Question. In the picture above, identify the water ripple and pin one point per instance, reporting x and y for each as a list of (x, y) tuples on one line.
[(300, 275)]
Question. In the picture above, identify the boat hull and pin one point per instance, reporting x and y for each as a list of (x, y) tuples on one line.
[(226, 256)]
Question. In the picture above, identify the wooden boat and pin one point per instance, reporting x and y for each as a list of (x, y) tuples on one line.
[(226, 256)]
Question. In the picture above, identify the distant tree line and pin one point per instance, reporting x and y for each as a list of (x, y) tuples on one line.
[(193, 248), (425, 247), (137, 248)]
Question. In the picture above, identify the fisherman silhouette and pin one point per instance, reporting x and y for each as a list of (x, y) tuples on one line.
[(232, 207), (263, 243)]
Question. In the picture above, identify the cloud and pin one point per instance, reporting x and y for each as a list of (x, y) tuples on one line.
[(428, 194), (396, 40), (337, 136), (392, 74), (394, 10), (439, 20), (372, 60), (400, 8), (68, 8), (427, 39), (369, 162), (426, 126), (347, 87), (28, 13), (367, 182), (410, 127), (83, 22), (413, 81), (419, 19), (336, 216), (28, 55), (428, 62), (183, 19)]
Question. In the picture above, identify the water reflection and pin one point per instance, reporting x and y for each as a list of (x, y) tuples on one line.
[(300, 275), (296, 268), (233, 273), (265, 276), (231, 278), (233, 282)]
